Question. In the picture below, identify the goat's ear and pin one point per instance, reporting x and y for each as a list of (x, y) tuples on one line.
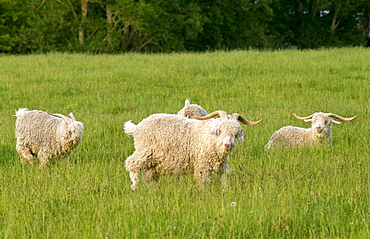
[(307, 120), (213, 130), (336, 122), (241, 136), (187, 102)]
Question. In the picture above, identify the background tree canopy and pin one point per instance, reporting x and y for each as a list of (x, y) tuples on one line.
[(114, 26)]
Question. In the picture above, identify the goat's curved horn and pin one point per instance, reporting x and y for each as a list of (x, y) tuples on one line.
[(304, 118), (340, 117), (221, 113), (72, 116), (237, 116), (66, 119)]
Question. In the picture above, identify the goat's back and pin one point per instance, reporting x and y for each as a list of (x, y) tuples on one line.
[(165, 131), (36, 124)]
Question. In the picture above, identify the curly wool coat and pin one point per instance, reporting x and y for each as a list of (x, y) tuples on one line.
[(192, 110), (320, 132), (290, 136), (45, 136), (172, 144)]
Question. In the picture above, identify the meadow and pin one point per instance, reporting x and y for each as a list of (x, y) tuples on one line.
[(288, 193)]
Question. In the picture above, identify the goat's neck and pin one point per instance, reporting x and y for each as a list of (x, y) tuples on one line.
[(322, 137)]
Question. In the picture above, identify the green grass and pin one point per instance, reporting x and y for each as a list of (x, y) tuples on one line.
[(300, 193)]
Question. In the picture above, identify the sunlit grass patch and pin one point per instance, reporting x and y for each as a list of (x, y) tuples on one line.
[(301, 193)]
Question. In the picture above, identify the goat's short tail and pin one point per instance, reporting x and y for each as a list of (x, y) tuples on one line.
[(129, 128), (20, 112)]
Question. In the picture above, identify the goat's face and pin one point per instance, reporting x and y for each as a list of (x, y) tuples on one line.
[(227, 133), (321, 123), (74, 132)]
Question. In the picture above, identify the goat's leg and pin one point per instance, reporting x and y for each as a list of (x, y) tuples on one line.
[(25, 155)]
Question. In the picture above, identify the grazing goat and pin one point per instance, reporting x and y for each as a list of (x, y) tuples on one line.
[(192, 110), (319, 133), (173, 144), (46, 136)]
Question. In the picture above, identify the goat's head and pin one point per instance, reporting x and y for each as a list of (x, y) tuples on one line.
[(74, 130), (321, 122), (192, 110), (227, 128)]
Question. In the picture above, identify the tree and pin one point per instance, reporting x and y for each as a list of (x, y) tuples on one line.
[(81, 32), (110, 26), (317, 23), (157, 26), (12, 16), (243, 25)]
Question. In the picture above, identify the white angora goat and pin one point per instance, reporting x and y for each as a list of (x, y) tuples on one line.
[(319, 133), (173, 144), (45, 135)]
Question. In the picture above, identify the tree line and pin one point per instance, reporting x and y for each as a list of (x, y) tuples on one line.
[(116, 26)]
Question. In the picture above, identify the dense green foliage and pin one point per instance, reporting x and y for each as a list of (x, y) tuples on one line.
[(115, 26), (302, 193)]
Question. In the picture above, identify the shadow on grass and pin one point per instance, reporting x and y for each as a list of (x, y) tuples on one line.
[(7, 155)]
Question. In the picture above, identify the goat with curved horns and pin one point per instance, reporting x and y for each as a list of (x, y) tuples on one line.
[(173, 144), (319, 133)]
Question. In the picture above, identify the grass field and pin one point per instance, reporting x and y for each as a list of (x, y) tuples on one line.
[(298, 193)]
